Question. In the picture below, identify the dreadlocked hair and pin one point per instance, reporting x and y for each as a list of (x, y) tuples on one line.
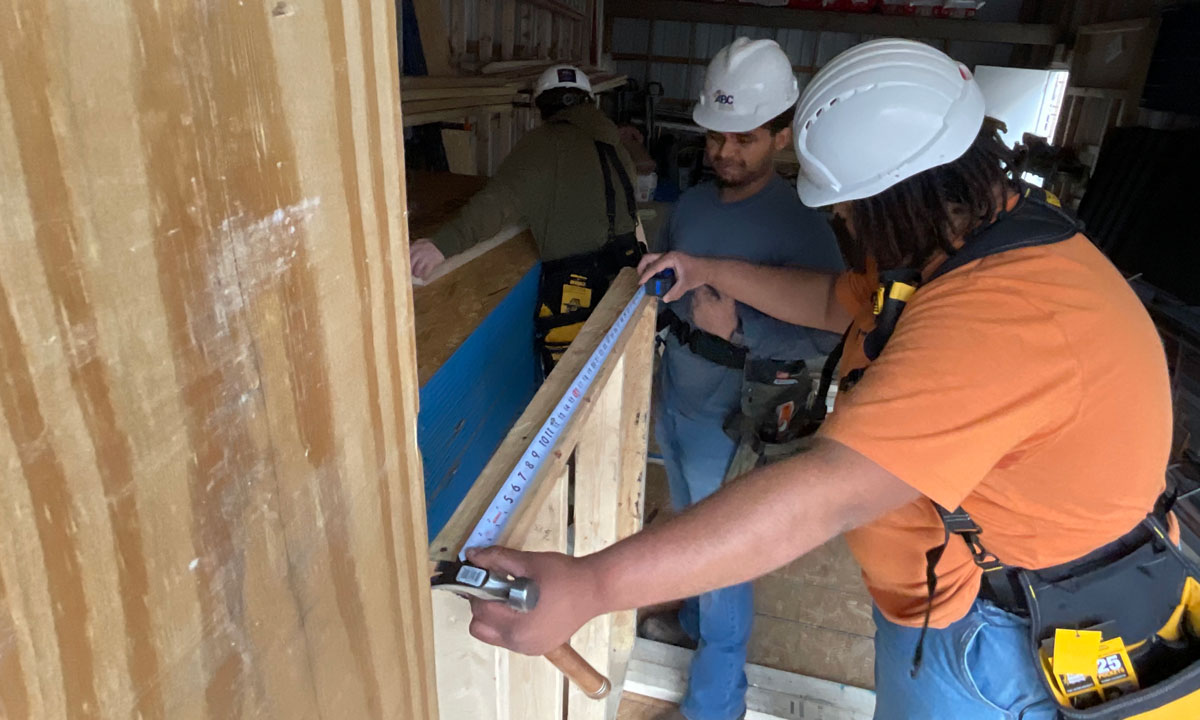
[(907, 224), (781, 121)]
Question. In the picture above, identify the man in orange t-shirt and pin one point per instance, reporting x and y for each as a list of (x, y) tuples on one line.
[(1029, 387)]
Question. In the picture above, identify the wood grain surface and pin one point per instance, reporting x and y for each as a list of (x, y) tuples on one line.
[(211, 503)]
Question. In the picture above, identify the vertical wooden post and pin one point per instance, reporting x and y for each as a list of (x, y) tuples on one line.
[(635, 437), (505, 136), (458, 32), (487, 28), (431, 23), (477, 680), (598, 469), (212, 500), (508, 28)]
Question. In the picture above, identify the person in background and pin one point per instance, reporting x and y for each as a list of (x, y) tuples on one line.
[(569, 181), (752, 215)]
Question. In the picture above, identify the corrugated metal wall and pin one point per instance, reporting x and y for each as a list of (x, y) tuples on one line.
[(681, 50)]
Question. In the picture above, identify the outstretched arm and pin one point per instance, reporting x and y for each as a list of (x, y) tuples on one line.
[(794, 295), (747, 529)]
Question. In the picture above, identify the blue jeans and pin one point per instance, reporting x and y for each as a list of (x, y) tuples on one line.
[(696, 452), (979, 668)]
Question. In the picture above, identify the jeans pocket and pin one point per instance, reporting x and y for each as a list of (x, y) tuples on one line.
[(985, 665)]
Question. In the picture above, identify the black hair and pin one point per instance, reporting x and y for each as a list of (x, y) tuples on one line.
[(907, 224), (556, 100), (781, 121)]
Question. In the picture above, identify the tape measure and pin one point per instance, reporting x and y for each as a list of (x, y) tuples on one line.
[(487, 530)]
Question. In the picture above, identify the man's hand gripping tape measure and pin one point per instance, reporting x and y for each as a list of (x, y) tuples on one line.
[(661, 283), (520, 594)]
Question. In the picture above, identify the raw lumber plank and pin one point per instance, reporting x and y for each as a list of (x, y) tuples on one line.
[(504, 66), (420, 107), (455, 533), (598, 468), (494, 93), (431, 24), (454, 114), (536, 686), (487, 23), (460, 151), (508, 28), (212, 500), (640, 707), (448, 310), (814, 651), (660, 671), (635, 432), (792, 600), (477, 680), (435, 82)]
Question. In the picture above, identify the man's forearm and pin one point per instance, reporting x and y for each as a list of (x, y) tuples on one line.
[(749, 528), (794, 295)]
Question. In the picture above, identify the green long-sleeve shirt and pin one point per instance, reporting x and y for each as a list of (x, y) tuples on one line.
[(552, 182)]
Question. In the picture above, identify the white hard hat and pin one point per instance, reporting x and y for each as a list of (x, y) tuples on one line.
[(880, 113), (562, 76), (748, 83)]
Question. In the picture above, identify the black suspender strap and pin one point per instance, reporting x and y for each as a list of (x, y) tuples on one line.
[(610, 163), (714, 349), (1028, 224), (954, 522)]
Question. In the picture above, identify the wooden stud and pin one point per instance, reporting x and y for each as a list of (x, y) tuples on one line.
[(212, 502), (508, 28), (431, 23), (487, 28), (530, 31), (635, 437), (598, 465), (458, 32), (477, 680), (536, 686), (505, 136), (556, 45)]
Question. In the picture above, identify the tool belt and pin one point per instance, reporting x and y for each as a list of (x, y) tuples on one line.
[(571, 287), (774, 418), (1135, 604), (708, 346)]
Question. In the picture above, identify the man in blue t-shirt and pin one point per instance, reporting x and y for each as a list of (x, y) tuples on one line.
[(752, 215)]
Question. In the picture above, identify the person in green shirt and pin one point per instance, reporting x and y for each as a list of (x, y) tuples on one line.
[(569, 182)]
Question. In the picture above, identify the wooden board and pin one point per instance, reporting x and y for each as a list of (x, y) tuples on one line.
[(211, 505), (454, 534), (446, 311), (660, 671), (431, 23), (449, 309)]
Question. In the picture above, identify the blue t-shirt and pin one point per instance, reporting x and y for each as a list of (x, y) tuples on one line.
[(771, 227)]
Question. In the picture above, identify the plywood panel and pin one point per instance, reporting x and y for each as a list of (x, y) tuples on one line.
[(211, 505)]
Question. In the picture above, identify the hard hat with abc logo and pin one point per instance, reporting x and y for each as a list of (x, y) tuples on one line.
[(749, 83)]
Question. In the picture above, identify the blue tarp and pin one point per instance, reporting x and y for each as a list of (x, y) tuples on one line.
[(472, 401)]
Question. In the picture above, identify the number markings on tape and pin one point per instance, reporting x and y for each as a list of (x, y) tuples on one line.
[(487, 530)]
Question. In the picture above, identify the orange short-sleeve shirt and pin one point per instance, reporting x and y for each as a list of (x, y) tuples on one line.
[(1031, 388)]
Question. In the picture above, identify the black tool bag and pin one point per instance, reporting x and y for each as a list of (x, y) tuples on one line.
[(1140, 592), (571, 287)]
